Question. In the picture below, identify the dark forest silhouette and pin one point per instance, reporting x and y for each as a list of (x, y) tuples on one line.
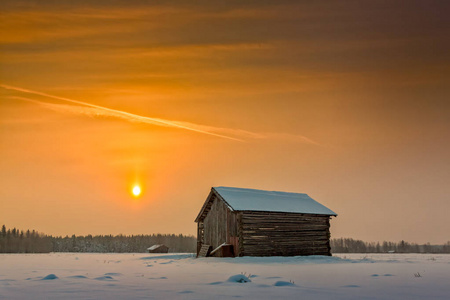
[(348, 245), (19, 241)]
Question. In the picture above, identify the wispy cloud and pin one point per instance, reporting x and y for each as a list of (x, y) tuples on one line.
[(92, 110)]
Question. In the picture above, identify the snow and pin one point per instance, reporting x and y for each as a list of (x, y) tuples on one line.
[(283, 283), (182, 276), (258, 200), (241, 278), (50, 277), (154, 247)]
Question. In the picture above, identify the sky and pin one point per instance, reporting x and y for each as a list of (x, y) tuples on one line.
[(346, 101)]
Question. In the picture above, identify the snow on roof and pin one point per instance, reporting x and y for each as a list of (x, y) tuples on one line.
[(154, 247), (258, 200)]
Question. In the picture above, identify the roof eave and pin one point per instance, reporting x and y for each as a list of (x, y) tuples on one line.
[(221, 198), (197, 219), (208, 199), (287, 212)]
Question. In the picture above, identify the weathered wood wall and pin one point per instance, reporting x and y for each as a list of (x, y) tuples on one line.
[(215, 224), (232, 231), (283, 234)]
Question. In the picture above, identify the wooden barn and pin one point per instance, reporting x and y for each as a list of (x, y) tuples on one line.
[(158, 249), (263, 223)]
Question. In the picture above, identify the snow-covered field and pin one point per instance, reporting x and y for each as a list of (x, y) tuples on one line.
[(181, 276)]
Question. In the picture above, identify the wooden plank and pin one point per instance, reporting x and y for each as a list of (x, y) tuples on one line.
[(272, 233), (273, 213), (284, 237), (249, 216), (205, 250), (287, 249), (285, 233), (304, 249), (283, 221), (284, 229), (240, 234), (296, 244), (224, 250)]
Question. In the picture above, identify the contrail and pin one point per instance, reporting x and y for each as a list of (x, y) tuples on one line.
[(118, 113)]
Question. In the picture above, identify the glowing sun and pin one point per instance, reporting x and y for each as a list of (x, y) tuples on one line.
[(136, 191)]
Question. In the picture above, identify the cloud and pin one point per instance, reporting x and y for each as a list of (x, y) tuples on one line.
[(92, 110)]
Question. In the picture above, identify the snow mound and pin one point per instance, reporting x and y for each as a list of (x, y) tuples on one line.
[(78, 277), (351, 286), (105, 278), (50, 277), (283, 283), (239, 278), (113, 274)]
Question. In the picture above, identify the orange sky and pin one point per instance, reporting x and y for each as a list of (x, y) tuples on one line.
[(345, 101)]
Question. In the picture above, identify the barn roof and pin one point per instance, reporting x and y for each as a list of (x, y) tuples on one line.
[(155, 247), (239, 199)]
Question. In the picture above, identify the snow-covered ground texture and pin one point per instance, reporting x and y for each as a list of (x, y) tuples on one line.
[(181, 276)]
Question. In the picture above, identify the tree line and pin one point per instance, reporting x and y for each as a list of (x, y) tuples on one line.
[(19, 241), (348, 245)]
